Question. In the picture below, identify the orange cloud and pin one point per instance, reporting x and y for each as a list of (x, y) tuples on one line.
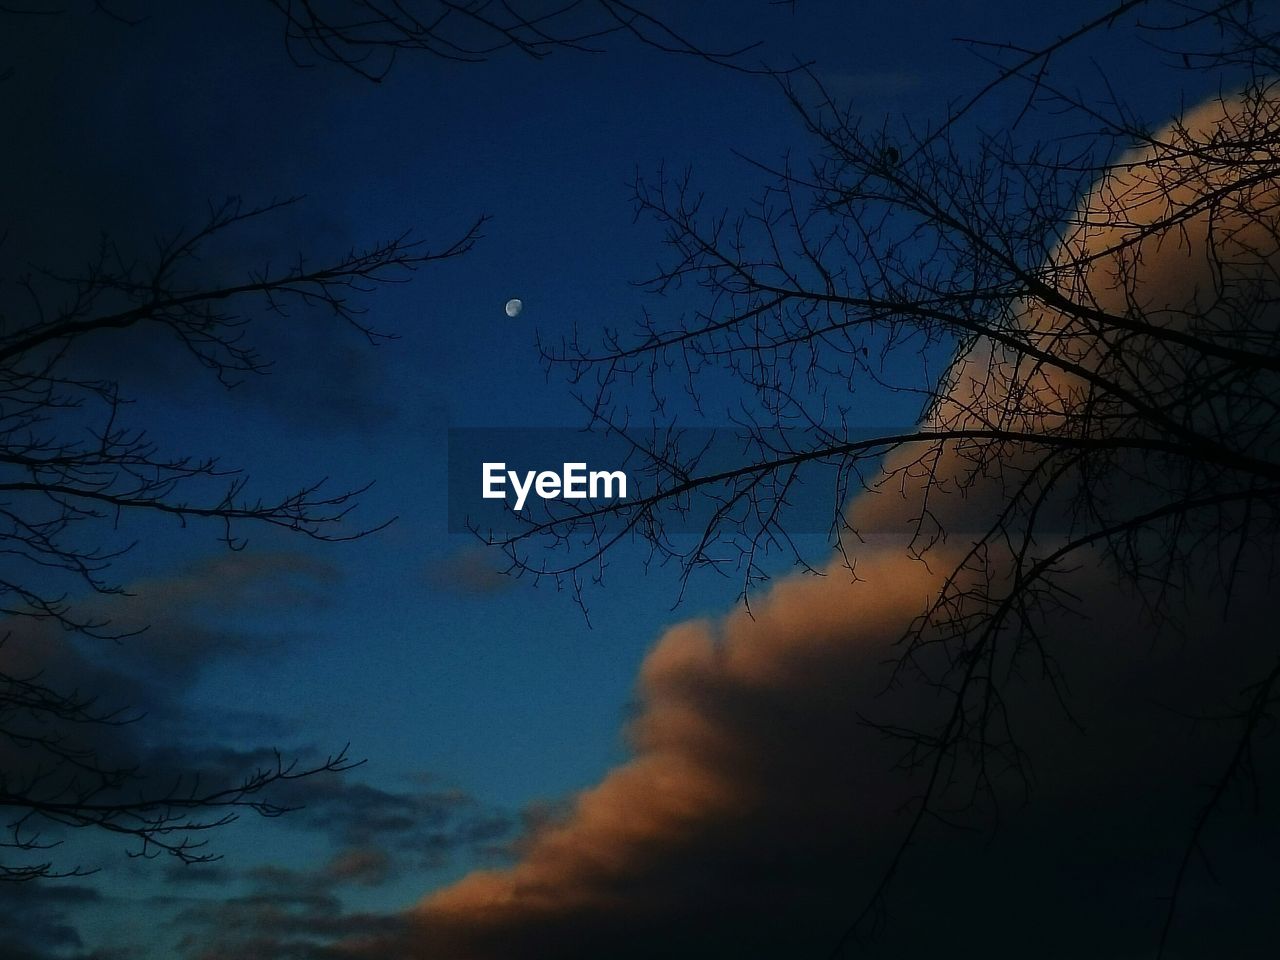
[(758, 809)]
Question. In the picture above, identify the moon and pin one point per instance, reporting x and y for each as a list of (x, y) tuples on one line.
[(514, 307)]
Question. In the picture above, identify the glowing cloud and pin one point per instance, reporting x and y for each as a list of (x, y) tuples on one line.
[(759, 809)]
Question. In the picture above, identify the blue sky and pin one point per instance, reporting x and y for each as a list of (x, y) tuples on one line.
[(473, 698)]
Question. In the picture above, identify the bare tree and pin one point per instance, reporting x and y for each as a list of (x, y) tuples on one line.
[(366, 36), (1096, 400), (75, 470), (75, 467)]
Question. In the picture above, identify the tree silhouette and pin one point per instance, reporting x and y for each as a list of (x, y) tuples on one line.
[(75, 467), (73, 470), (367, 36), (1111, 389)]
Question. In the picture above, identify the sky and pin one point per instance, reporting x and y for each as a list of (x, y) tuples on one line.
[(482, 705)]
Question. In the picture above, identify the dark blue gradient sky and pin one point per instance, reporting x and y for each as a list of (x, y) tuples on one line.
[(474, 699)]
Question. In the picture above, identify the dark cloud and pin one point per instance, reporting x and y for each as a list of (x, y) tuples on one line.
[(195, 619), (426, 828), (286, 917), (169, 629), (367, 866), (185, 622), (287, 913), (36, 920), (378, 835), (470, 570), (413, 828), (230, 98), (52, 751)]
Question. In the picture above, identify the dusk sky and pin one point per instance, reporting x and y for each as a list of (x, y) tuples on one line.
[(483, 705)]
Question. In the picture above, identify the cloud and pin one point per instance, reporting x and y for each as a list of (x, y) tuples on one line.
[(35, 920), (171, 628), (425, 826), (379, 836), (286, 913), (470, 570), (193, 619), (760, 809), (364, 865)]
